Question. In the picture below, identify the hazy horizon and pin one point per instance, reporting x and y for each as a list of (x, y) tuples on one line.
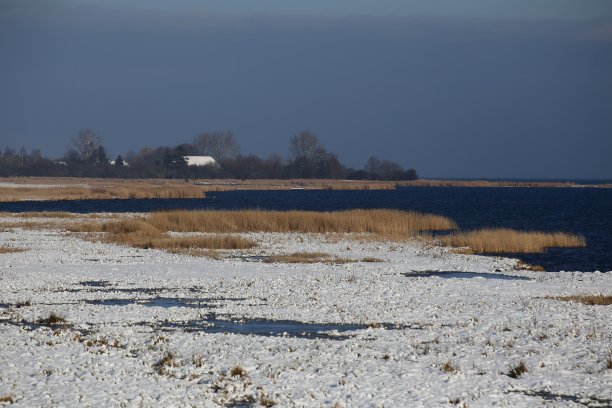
[(488, 90)]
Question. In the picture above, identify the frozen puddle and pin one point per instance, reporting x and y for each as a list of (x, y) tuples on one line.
[(95, 284), (210, 323), (265, 327), (462, 275), (162, 302)]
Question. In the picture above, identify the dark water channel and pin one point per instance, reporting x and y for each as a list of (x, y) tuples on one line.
[(463, 275), (266, 327), (586, 211)]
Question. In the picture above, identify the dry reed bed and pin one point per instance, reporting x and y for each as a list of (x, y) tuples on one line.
[(292, 184), (151, 230), (316, 257), (308, 258), (487, 183), (99, 193), (139, 233), (70, 188), (502, 240), (54, 214), (10, 250), (601, 300), (390, 224)]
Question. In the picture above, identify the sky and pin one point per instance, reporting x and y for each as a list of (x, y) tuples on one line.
[(462, 89)]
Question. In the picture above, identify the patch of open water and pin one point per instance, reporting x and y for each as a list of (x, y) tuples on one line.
[(265, 327), (463, 275), (162, 302)]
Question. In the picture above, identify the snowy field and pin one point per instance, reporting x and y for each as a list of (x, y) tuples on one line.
[(147, 328)]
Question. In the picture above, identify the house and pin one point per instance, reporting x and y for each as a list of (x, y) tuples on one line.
[(114, 163), (201, 161)]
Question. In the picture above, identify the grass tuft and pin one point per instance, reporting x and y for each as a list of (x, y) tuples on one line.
[(53, 319), (167, 360), (238, 371), (266, 401), (449, 367), (518, 370), (371, 259), (504, 240), (7, 399), (522, 266), (23, 304)]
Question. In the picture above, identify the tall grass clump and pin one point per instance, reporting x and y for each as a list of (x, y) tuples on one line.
[(502, 240), (517, 370), (392, 224)]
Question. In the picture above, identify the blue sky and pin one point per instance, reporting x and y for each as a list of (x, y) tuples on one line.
[(453, 89)]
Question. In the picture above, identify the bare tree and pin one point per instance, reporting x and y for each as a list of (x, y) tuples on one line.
[(87, 146), (219, 145), (36, 156), (372, 166), (386, 170), (304, 145)]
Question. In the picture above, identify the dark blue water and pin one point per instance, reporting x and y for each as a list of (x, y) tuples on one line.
[(463, 275), (585, 211)]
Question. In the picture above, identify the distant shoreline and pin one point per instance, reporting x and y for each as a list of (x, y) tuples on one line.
[(70, 188)]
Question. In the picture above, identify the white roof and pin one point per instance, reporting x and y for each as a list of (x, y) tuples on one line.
[(200, 161)]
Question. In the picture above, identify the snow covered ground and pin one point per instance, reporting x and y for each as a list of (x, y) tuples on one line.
[(139, 328)]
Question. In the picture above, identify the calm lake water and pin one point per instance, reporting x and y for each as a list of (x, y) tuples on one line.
[(586, 211)]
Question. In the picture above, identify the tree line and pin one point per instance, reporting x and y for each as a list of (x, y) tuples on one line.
[(87, 157)]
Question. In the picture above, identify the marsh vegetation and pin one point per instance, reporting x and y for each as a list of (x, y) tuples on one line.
[(504, 240)]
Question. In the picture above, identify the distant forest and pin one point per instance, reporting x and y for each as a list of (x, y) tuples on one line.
[(87, 157)]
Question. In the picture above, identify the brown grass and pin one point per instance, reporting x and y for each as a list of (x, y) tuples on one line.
[(58, 188), (69, 188), (53, 319), (449, 367), (307, 257), (517, 370), (150, 231), (50, 214), (139, 233), (511, 241), (167, 360), (487, 183), (371, 259), (238, 371), (603, 300), (183, 245), (522, 266), (10, 250), (392, 224), (8, 399)]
